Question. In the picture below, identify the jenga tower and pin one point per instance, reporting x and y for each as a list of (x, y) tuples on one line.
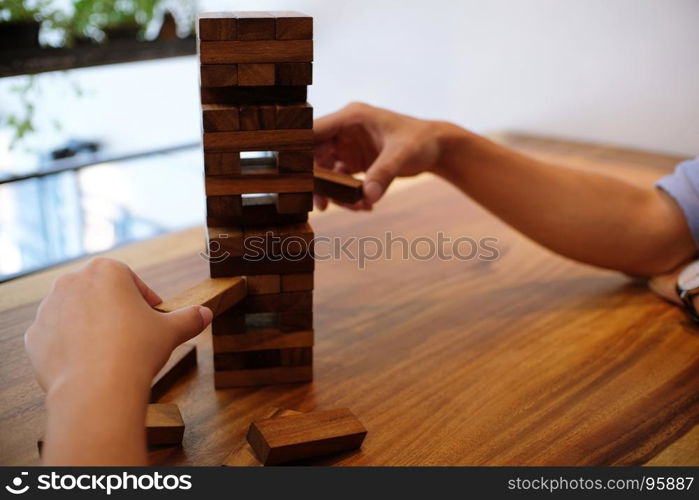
[(255, 67)]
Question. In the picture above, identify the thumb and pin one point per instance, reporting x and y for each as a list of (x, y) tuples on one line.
[(188, 322), (381, 173)]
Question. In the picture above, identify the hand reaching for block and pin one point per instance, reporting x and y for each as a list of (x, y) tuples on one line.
[(97, 335)]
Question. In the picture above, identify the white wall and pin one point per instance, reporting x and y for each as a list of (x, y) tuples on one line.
[(619, 71)]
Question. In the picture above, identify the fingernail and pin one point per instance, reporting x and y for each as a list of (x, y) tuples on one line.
[(206, 314), (372, 191)]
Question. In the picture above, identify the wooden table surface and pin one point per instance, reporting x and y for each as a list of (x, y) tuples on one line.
[(529, 359)]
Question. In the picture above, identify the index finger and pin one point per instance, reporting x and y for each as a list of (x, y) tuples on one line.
[(329, 126)]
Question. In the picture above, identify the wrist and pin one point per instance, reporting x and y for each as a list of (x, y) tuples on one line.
[(453, 142), (97, 387)]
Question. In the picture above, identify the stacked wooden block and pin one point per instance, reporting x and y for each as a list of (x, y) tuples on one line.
[(255, 67)]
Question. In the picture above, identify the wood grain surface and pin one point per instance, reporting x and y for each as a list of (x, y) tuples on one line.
[(527, 359)]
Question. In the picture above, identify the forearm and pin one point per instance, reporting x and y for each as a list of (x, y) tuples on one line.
[(96, 422), (588, 217)]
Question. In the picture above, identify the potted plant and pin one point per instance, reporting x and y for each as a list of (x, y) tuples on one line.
[(19, 24)]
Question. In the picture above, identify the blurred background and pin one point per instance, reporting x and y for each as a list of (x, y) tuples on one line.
[(96, 152)]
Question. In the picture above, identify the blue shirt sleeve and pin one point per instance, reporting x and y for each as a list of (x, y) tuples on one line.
[(683, 187)]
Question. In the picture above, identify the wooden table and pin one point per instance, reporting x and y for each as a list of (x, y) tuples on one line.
[(528, 359)]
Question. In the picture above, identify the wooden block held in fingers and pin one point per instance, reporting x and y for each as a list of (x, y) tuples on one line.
[(263, 376), (219, 118), (293, 25), (217, 26), (223, 186), (294, 161), (259, 140), (297, 282), (309, 435), (242, 455), (164, 424), (255, 25), (294, 116), (294, 74), (262, 340), (236, 96), (256, 74), (263, 284), (217, 294), (218, 75), (182, 359), (263, 51), (293, 203), (340, 187), (262, 117), (222, 164)]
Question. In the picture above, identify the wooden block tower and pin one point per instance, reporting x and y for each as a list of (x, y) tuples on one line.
[(258, 157)]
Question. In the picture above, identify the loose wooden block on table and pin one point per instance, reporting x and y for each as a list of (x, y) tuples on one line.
[(217, 294), (293, 25), (217, 26), (294, 116), (294, 161), (256, 74), (255, 25), (283, 183), (263, 376), (219, 118), (341, 187), (237, 95), (164, 424), (222, 164), (218, 75), (263, 284), (294, 73), (243, 455), (182, 359), (309, 435), (296, 282), (263, 51), (260, 140)]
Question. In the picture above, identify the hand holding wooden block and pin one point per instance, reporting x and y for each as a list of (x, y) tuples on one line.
[(308, 435), (340, 187)]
